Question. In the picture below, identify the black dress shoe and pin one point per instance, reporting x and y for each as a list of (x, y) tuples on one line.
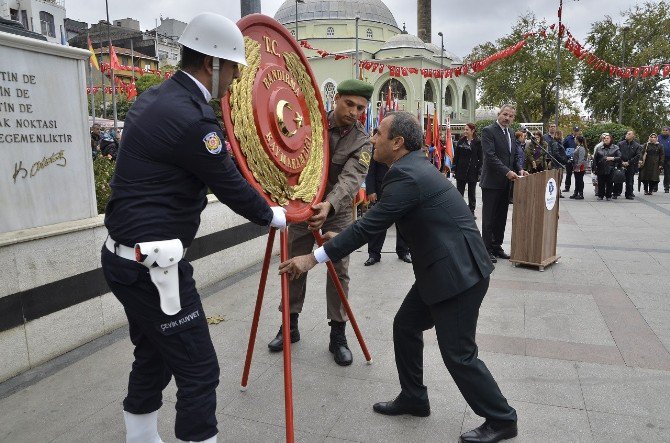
[(399, 407), (500, 253), (493, 257), (277, 343), (630, 197), (407, 258), (490, 432), (371, 261)]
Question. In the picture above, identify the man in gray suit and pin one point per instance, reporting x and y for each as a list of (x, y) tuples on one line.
[(500, 168), (451, 267)]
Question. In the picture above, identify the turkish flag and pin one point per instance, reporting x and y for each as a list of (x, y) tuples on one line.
[(114, 59)]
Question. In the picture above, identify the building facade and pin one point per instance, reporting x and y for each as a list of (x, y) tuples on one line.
[(330, 25), (46, 17)]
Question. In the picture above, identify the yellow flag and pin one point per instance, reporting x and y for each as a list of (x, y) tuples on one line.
[(93, 58)]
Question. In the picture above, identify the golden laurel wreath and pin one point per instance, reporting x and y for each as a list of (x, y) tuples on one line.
[(270, 177)]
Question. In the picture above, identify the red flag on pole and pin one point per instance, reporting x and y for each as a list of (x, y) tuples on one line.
[(429, 133), (449, 148), (114, 59), (437, 141)]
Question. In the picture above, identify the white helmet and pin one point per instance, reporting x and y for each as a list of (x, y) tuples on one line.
[(215, 35)]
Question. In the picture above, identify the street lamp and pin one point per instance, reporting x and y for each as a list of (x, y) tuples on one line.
[(441, 79), (357, 61), (623, 63), (296, 18), (558, 59)]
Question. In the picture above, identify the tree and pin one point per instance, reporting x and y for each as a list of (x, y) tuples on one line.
[(527, 78), (645, 106), (146, 81)]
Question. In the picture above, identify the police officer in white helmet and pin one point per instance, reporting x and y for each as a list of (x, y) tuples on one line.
[(172, 152)]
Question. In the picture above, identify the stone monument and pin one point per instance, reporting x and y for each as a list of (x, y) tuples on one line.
[(46, 173)]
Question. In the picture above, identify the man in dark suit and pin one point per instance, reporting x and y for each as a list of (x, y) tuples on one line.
[(501, 167), (451, 267), (373, 189)]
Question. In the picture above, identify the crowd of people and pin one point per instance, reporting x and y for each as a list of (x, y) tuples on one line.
[(104, 143)]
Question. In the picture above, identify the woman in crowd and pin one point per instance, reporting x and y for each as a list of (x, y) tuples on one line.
[(650, 165), (521, 147), (467, 165), (605, 160), (535, 156), (579, 160)]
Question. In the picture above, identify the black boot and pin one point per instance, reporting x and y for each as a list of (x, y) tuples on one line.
[(338, 343), (277, 344)]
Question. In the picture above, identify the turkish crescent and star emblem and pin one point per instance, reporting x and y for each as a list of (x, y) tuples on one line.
[(275, 120)]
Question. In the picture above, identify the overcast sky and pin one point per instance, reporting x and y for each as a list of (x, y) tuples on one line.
[(464, 24)]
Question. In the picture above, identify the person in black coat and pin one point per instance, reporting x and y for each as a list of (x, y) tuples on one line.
[(631, 154), (468, 164), (500, 168), (373, 190), (451, 268)]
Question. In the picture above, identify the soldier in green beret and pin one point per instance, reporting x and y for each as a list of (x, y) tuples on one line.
[(350, 153)]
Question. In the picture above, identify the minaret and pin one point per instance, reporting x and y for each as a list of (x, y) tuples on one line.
[(250, 6), (423, 14)]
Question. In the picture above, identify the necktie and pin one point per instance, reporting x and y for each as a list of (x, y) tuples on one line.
[(509, 141)]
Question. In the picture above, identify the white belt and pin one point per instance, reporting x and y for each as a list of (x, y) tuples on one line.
[(119, 249)]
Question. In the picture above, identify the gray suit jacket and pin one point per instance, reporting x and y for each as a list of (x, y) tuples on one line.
[(448, 254), (498, 159)]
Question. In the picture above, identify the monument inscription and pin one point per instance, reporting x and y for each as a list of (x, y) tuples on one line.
[(46, 174)]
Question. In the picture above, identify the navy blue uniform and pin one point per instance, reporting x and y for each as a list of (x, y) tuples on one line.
[(172, 151)]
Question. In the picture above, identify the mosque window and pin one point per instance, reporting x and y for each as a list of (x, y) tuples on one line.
[(368, 33), (397, 89), (464, 100), (329, 95), (428, 93), (330, 31), (448, 97)]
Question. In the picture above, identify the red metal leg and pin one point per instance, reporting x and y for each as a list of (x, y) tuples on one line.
[(288, 383), (345, 302), (257, 311)]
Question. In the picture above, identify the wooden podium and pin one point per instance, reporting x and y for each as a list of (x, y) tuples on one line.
[(535, 219)]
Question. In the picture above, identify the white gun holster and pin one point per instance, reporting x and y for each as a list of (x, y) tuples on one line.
[(162, 258)]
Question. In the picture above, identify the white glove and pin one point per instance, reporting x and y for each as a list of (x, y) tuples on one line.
[(278, 217)]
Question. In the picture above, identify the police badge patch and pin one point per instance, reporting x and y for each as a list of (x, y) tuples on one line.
[(212, 143)]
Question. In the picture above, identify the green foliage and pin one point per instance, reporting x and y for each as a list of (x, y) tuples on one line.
[(647, 42), (103, 170), (122, 106), (481, 124), (527, 78), (592, 133), (146, 81)]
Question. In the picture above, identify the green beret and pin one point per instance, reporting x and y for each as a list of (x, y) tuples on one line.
[(356, 87)]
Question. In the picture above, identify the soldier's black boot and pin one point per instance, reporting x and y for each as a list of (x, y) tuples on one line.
[(277, 344), (338, 343)]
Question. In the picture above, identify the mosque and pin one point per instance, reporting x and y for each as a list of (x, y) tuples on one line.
[(330, 25)]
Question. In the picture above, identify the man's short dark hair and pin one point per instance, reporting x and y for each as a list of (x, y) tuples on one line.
[(405, 125), (191, 59)]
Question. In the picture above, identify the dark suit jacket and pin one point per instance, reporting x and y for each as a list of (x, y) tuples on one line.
[(375, 177), (498, 159), (448, 254)]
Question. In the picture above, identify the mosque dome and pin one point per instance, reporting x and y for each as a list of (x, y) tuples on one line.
[(404, 40), (368, 10)]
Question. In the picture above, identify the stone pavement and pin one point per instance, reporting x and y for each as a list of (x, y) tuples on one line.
[(581, 350)]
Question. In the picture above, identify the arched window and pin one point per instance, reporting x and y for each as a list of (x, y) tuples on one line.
[(330, 31), (464, 100), (329, 95), (397, 89), (48, 27), (368, 33), (448, 97), (428, 93)]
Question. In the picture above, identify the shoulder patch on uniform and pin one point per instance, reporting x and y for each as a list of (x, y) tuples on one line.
[(212, 143), (365, 158)]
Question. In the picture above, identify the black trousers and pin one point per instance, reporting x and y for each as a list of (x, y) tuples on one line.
[(630, 179), (472, 190), (666, 173), (495, 204), (605, 186), (376, 244), (579, 183), (165, 346), (568, 175), (455, 322)]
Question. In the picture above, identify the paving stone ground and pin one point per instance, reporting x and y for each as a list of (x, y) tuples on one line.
[(580, 350)]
